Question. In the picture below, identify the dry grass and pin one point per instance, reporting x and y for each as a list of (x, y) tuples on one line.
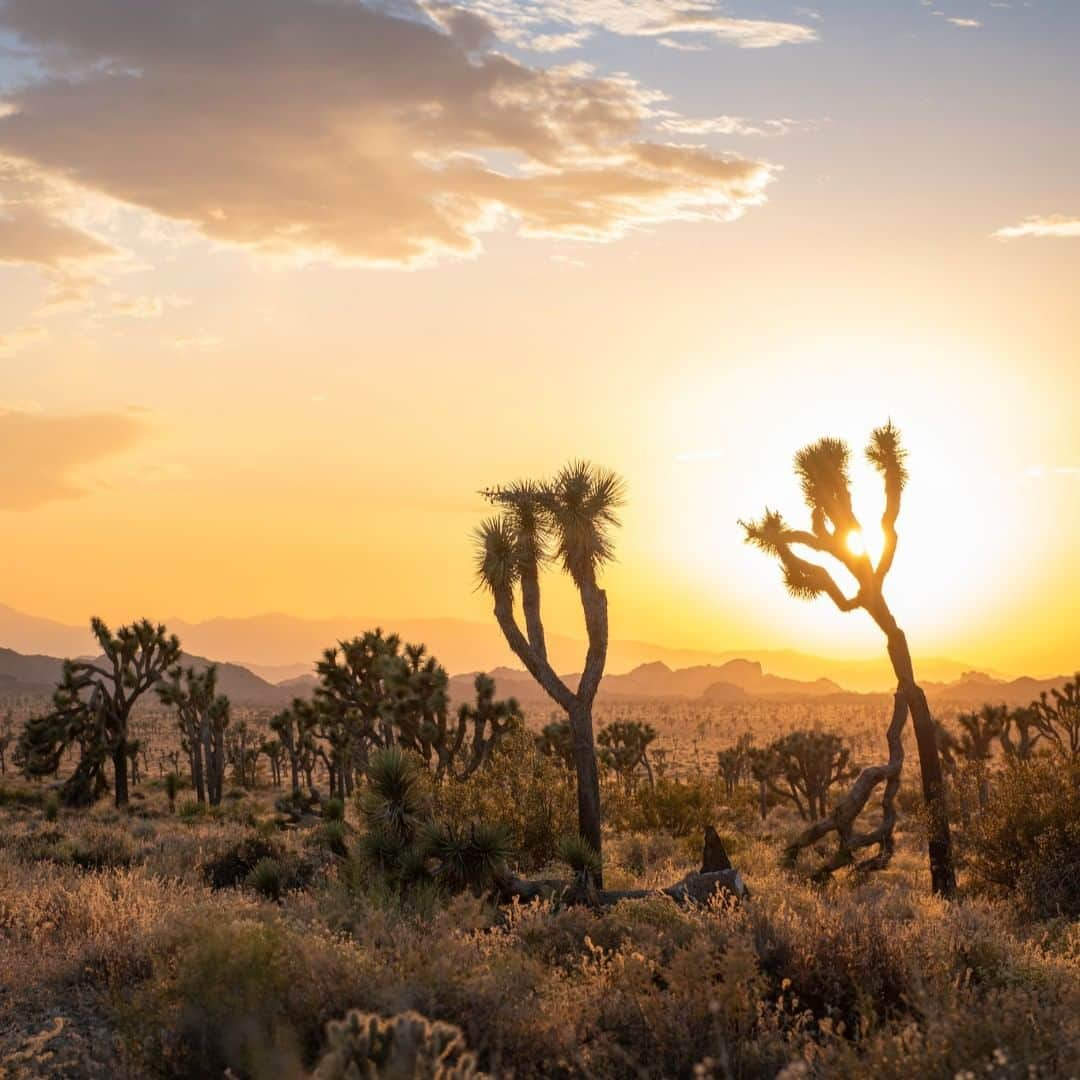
[(118, 958)]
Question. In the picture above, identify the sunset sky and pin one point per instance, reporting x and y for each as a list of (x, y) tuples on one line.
[(285, 282)]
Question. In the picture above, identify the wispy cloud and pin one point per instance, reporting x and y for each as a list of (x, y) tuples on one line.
[(1053, 225), (46, 456), (520, 21), (311, 130)]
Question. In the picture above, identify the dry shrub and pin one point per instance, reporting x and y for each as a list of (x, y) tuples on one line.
[(1027, 843), (526, 791)]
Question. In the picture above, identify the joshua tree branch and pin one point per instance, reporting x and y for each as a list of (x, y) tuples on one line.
[(537, 666), (847, 810)]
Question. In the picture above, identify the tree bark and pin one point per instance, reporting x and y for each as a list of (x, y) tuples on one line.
[(588, 779), (942, 871), (120, 766)]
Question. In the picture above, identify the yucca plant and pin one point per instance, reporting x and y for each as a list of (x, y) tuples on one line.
[(582, 858), (267, 879), (467, 858)]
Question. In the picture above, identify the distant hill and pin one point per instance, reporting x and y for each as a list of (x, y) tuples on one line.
[(279, 647), (39, 675), (734, 681)]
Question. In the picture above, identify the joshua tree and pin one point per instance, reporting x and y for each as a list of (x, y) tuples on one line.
[(203, 716), (763, 766), (975, 743), (92, 707), (624, 746), (733, 762), (1022, 722), (294, 728), (556, 740), (822, 468), (1056, 716), (489, 719), (568, 519), (809, 763)]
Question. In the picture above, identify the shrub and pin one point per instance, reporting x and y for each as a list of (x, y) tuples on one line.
[(52, 807), (232, 866), (191, 810), (266, 878), (521, 788), (332, 836), (679, 807), (334, 810), (1027, 843)]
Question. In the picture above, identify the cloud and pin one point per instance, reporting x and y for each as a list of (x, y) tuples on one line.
[(965, 24), (36, 229), (1052, 225), (519, 21), (314, 129), (45, 455), (725, 125)]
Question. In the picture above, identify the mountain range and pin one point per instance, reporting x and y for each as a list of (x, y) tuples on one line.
[(279, 647), (735, 681)]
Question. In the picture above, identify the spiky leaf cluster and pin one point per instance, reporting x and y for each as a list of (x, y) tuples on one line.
[(569, 519)]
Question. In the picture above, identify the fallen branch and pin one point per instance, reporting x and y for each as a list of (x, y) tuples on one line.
[(846, 812), (699, 887)]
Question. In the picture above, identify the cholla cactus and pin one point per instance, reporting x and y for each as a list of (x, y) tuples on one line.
[(363, 1046), (822, 469)]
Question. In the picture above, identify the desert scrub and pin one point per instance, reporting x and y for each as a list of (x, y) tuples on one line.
[(245, 991), (1026, 844), (526, 791)]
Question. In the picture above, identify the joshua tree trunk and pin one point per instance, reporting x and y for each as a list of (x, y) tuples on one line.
[(198, 777), (120, 768), (588, 777), (942, 873)]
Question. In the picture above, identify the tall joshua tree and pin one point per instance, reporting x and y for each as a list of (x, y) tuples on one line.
[(92, 707), (567, 520), (822, 469)]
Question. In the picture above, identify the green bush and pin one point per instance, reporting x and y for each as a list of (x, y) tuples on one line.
[(266, 878), (52, 807), (1026, 844), (334, 810), (528, 792)]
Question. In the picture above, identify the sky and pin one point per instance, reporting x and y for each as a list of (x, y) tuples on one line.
[(286, 282)]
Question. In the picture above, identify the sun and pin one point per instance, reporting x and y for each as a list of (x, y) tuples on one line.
[(861, 542), (856, 544)]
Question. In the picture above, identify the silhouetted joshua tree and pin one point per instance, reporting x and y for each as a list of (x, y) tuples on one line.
[(975, 744), (203, 717), (624, 745), (822, 468), (809, 763), (1056, 716), (568, 520), (92, 707)]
